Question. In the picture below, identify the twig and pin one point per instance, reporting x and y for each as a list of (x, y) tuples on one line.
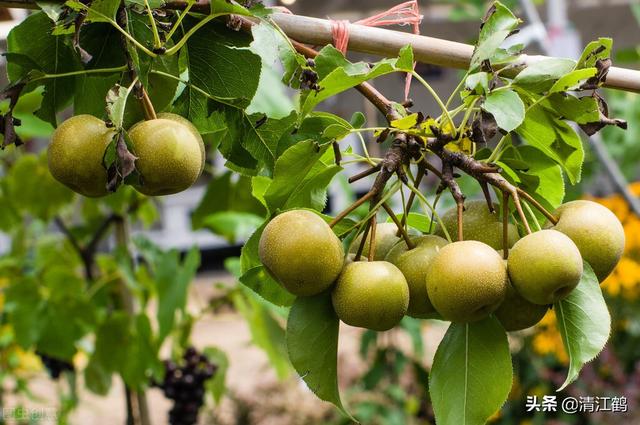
[(363, 241), (365, 173), (487, 195), (450, 182), (412, 197), (351, 207), (401, 230), (553, 219), (336, 153)]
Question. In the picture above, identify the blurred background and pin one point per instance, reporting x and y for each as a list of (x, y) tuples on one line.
[(383, 376)]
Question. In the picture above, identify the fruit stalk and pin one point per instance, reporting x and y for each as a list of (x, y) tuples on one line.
[(401, 230), (141, 93), (553, 219), (412, 196), (372, 241)]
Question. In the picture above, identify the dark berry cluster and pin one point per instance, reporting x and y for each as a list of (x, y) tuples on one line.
[(184, 384), (54, 366)]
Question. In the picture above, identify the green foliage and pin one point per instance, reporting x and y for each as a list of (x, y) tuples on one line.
[(280, 154), (471, 374), (312, 343), (584, 323)]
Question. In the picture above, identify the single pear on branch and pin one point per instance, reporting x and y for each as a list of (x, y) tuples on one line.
[(76, 154), (300, 251), (466, 281), (545, 266), (595, 230), (372, 295), (170, 155), (516, 313), (414, 263)]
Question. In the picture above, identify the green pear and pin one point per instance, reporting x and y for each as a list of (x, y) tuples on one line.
[(182, 120), (516, 313), (299, 249), (595, 230), (76, 152), (385, 239), (545, 266), (170, 156), (478, 224), (372, 295), (466, 281), (414, 263)]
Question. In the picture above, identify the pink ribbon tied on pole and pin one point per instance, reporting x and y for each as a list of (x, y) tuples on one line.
[(407, 13)]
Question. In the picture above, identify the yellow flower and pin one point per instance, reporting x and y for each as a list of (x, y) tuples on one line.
[(547, 339), (624, 281)]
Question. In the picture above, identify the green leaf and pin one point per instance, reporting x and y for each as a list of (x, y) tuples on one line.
[(337, 74), (116, 104), (103, 10), (506, 107), (472, 374), (28, 180), (216, 386), (573, 80), (312, 343), (599, 49), (235, 78), (171, 279), (550, 184), (554, 138), (478, 80), (290, 172), (224, 7), (234, 226), (312, 193), (53, 55), (271, 97), (260, 281), (417, 221), (266, 329), (494, 31), (581, 110), (540, 76), (584, 323), (97, 378), (226, 193)]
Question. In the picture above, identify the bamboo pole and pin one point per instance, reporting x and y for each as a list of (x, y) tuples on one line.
[(383, 42), (430, 50)]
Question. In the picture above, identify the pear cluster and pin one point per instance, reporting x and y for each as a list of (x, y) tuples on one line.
[(170, 154), (462, 281)]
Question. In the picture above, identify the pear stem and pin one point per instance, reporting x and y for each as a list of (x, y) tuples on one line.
[(553, 219), (505, 225), (372, 241), (523, 217), (147, 106), (460, 210), (363, 241), (412, 197), (365, 173), (401, 230), (351, 207)]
